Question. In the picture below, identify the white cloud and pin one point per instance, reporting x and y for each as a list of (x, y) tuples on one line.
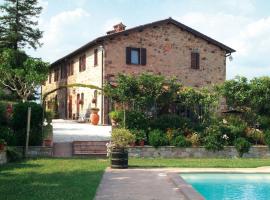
[(250, 38), (62, 33)]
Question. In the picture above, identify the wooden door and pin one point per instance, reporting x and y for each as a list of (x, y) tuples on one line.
[(70, 107), (78, 105)]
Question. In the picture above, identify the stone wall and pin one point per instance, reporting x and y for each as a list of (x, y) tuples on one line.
[(37, 151), (3, 157), (197, 152)]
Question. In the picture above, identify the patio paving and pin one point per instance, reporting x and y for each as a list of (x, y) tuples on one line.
[(137, 184), (65, 131)]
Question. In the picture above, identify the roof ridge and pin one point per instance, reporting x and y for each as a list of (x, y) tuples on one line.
[(170, 19)]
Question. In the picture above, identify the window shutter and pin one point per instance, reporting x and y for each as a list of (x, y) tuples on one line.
[(72, 67), (95, 57), (143, 56), (197, 60), (193, 60), (80, 64), (128, 55)]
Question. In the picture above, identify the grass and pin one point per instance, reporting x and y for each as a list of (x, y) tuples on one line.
[(199, 163), (58, 179), (66, 179)]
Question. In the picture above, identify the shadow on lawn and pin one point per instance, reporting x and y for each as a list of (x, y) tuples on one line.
[(77, 184)]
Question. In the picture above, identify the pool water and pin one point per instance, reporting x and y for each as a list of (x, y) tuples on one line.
[(221, 186)]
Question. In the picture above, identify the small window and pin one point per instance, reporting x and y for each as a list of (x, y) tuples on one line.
[(50, 77), (95, 57), (63, 71), (82, 63), (70, 68), (136, 56), (195, 60), (56, 74)]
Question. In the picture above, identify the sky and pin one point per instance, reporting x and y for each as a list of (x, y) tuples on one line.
[(243, 25)]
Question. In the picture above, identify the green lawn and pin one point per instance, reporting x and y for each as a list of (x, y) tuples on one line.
[(51, 179), (66, 179), (200, 163)]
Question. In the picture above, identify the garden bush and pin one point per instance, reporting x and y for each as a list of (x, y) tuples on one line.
[(139, 134), (213, 139), (242, 146), (195, 139), (264, 122), (2, 113), (157, 138), (267, 137), (8, 135), (49, 116), (121, 137), (181, 141), (13, 155), (135, 120), (169, 121), (19, 122)]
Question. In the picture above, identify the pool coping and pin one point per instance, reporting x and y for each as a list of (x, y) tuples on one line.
[(189, 192)]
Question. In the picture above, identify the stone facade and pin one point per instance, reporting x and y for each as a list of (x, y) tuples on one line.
[(3, 157), (195, 152), (168, 52)]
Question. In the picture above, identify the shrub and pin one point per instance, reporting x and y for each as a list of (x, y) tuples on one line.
[(139, 135), (171, 121), (157, 138), (116, 115), (181, 141), (8, 135), (135, 120), (2, 113), (255, 135), (242, 146), (121, 137), (264, 122), (213, 140), (13, 155), (194, 138), (19, 121), (2, 141), (267, 137), (49, 115)]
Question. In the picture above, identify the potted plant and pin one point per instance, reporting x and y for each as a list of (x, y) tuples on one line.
[(94, 117), (140, 136), (121, 138), (2, 144), (115, 117)]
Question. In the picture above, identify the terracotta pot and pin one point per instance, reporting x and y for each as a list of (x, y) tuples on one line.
[(94, 117), (133, 144), (47, 142), (142, 143), (2, 147)]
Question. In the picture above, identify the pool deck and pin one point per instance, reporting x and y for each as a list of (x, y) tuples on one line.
[(156, 183)]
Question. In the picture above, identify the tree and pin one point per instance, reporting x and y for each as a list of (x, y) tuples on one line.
[(17, 24), (25, 78)]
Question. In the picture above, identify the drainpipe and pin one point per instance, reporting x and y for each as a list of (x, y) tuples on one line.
[(102, 83)]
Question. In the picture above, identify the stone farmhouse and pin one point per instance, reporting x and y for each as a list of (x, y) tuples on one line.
[(165, 47)]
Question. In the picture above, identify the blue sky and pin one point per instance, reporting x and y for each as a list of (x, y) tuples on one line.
[(241, 24)]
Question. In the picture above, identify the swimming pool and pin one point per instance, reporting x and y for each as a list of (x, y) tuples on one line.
[(223, 186)]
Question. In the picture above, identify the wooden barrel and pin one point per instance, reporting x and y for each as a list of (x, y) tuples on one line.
[(119, 159)]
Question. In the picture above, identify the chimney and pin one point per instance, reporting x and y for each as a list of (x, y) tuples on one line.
[(117, 28)]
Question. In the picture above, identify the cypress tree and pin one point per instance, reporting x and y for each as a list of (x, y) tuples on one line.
[(18, 24)]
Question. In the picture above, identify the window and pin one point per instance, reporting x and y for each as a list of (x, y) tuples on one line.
[(56, 74), (136, 56), (82, 63), (195, 60), (95, 57), (50, 77), (63, 71), (70, 71)]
